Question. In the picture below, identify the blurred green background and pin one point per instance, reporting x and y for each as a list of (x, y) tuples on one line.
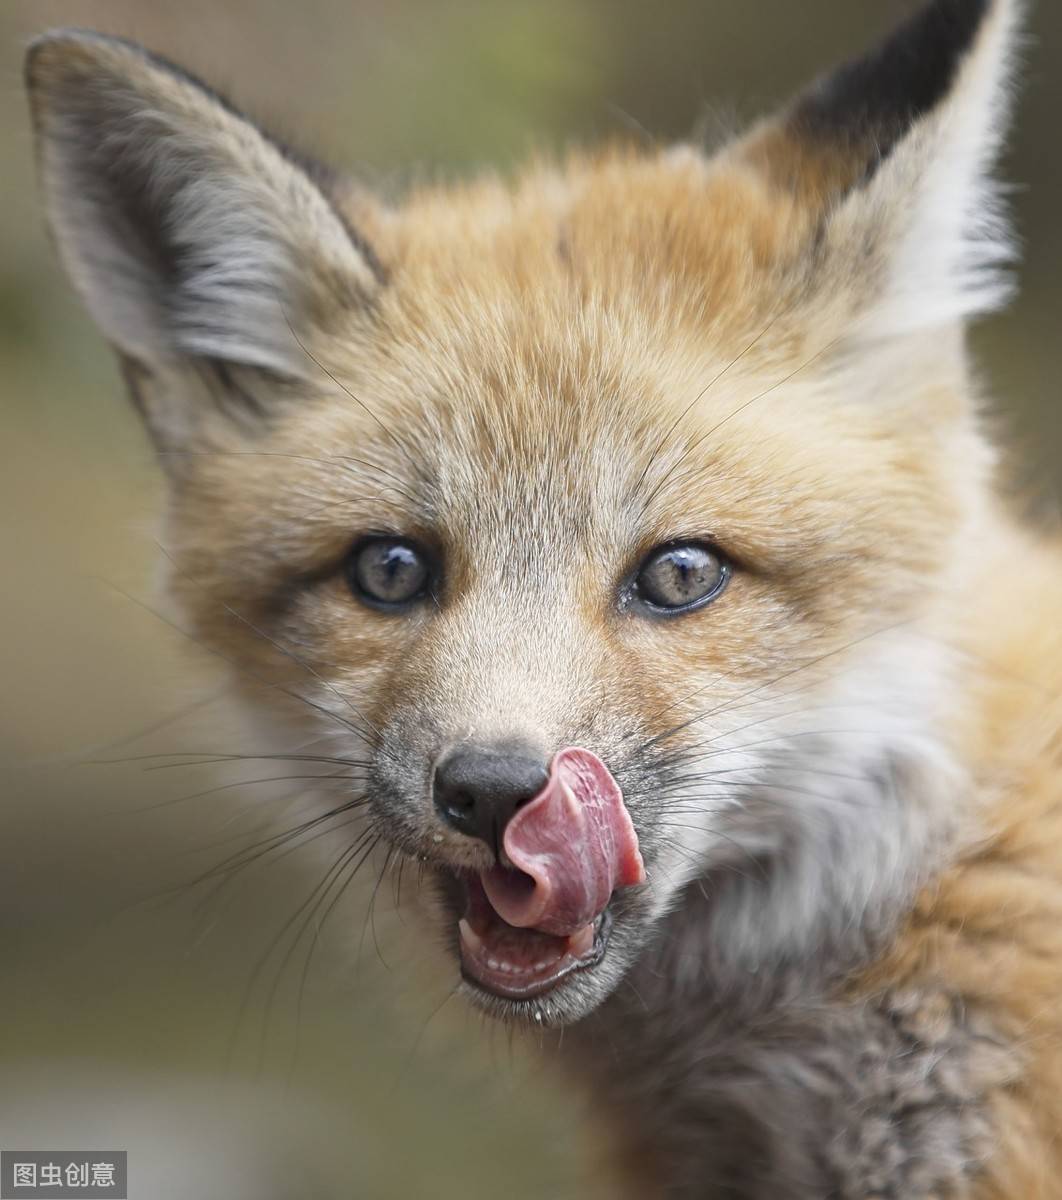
[(136, 1012)]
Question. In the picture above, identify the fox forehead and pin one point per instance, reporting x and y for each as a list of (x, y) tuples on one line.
[(602, 265), (568, 321), (712, 234)]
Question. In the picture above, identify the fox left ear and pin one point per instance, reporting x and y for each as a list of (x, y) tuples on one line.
[(892, 153), (194, 238)]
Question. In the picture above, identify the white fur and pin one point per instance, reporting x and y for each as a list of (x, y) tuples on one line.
[(938, 203), (259, 245)]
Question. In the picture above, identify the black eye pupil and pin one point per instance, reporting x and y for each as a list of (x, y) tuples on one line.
[(388, 571), (681, 576)]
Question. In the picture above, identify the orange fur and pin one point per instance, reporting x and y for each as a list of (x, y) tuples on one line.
[(988, 932)]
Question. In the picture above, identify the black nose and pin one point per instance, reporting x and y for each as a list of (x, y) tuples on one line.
[(478, 788)]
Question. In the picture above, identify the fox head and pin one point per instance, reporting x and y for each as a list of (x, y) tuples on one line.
[(625, 504)]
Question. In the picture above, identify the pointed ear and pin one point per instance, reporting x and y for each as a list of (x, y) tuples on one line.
[(893, 153), (189, 234)]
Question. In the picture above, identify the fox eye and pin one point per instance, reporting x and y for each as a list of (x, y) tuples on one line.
[(388, 572), (681, 576)]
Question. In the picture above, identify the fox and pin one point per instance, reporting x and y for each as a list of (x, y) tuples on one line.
[(628, 535)]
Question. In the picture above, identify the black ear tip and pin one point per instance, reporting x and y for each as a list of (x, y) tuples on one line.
[(883, 93)]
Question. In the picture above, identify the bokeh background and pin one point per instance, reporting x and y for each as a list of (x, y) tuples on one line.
[(136, 1010)]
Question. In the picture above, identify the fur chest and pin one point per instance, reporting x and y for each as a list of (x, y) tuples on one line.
[(885, 1098)]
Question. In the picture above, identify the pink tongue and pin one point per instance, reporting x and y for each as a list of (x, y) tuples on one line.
[(572, 846)]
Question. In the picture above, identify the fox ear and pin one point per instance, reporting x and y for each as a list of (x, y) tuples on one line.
[(189, 233), (892, 153)]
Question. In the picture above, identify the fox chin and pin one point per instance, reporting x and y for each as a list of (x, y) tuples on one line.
[(623, 541)]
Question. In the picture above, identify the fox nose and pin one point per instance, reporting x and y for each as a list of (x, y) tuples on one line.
[(478, 788)]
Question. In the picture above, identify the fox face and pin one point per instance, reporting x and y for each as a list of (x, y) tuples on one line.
[(592, 529)]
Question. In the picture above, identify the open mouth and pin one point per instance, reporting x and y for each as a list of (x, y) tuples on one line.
[(520, 964), (541, 912)]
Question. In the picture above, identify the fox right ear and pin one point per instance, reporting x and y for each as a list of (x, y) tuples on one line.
[(189, 234)]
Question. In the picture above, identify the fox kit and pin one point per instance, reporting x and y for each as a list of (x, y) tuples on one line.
[(624, 537)]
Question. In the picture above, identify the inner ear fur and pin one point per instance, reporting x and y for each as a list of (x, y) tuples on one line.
[(189, 233)]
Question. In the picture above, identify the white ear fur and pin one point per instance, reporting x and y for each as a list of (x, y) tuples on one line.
[(188, 233), (934, 204), (890, 157)]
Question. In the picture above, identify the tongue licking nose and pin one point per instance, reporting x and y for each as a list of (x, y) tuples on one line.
[(571, 846)]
